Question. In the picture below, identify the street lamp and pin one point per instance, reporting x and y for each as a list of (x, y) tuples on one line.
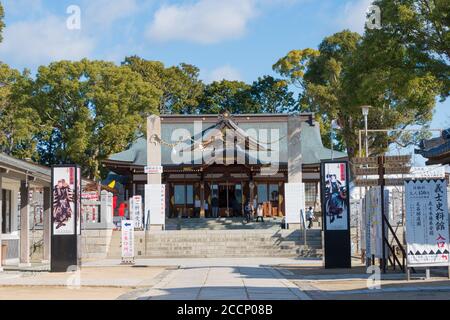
[(365, 112)]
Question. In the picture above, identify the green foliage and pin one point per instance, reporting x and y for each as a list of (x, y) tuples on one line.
[(422, 28), (18, 122), (2, 23), (349, 71), (181, 88), (272, 96), (89, 109), (266, 95), (233, 96)]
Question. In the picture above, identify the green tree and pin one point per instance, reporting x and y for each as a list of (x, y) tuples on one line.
[(90, 109), (272, 96), (2, 23), (234, 96), (422, 27), (181, 88), (18, 122), (348, 71)]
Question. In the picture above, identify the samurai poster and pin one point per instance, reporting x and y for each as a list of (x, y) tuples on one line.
[(78, 200), (335, 195), (427, 223), (63, 186)]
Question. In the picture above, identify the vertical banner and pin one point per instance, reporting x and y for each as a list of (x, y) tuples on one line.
[(155, 204), (63, 211), (334, 180), (336, 198), (427, 230), (66, 218), (78, 200), (136, 211), (374, 233), (294, 201), (127, 241)]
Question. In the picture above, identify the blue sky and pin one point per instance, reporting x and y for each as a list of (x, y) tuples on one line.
[(231, 39)]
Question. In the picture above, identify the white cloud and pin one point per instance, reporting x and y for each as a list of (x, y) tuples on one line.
[(41, 41), (226, 72), (104, 13), (205, 21), (354, 15)]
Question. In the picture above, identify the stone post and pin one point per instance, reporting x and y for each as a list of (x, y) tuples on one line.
[(24, 259), (106, 210), (153, 156), (294, 155), (47, 224)]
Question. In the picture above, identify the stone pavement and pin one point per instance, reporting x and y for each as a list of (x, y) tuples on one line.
[(210, 262), (224, 283)]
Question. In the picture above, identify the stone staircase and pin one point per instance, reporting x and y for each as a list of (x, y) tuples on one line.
[(222, 224), (222, 239)]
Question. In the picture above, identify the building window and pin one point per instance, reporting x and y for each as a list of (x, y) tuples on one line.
[(267, 192), (262, 192), (184, 194), (310, 192), (273, 192), (6, 211)]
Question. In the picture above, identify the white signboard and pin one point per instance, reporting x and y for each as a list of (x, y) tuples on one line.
[(294, 201), (64, 200), (373, 221), (136, 211), (127, 240), (153, 169), (155, 204), (427, 223)]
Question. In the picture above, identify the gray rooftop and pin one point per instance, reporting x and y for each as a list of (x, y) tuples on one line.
[(312, 147)]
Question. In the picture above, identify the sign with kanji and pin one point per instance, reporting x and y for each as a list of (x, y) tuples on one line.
[(127, 240), (373, 221), (427, 223), (153, 169), (136, 211), (155, 204), (294, 201)]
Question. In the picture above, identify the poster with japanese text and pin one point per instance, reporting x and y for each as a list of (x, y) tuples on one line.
[(63, 187), (127, 239), (155, 204), (335, 197), (373, 221), (136, 211), (427, 223), (294, 202)]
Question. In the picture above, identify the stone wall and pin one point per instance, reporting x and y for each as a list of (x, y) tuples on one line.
[(95, 243)]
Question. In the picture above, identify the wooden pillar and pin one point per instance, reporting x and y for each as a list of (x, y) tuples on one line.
[(202, 196), (24, 260), (47, 224)]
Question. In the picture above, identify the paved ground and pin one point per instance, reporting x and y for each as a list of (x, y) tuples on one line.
[(224, 283), (203, 279), (352, 284)]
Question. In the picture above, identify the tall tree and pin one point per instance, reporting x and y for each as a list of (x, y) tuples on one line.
[(18, 122), (234, 96), (272, 96), (180, 85), (90, 109), (2, 23), (422, 27), (349, 71)]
